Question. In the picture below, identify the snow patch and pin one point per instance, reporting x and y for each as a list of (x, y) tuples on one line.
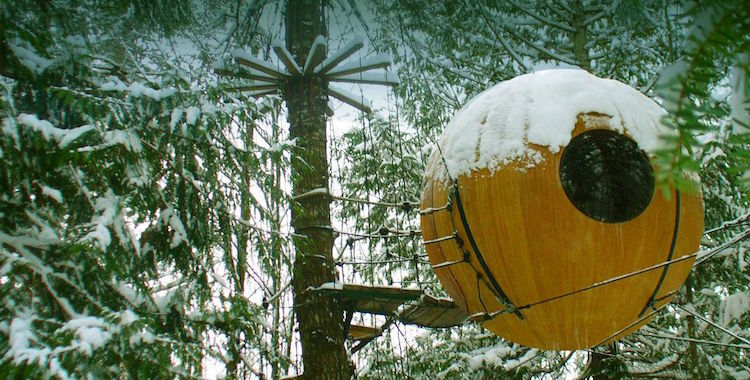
[(175, 118), (735, 306), (492, 357), (45, 234), (106, 208), (334, 285), (169, 217), (138, 174), (137, 89), (144, 336), (20, 333), (192, 114), (63, 137), (91, 332), (127, 317), (127, 138), (28, 56), (52, 193), (282, 145), (10, 129), (129, 294), (513, 120), (163, 301)]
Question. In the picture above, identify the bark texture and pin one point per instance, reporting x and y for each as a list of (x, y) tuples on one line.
[(580, 39), (321, 324)]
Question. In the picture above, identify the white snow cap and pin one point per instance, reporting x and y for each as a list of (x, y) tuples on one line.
[(499, 125)]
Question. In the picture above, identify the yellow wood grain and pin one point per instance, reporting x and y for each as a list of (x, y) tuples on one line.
[(538, 245)]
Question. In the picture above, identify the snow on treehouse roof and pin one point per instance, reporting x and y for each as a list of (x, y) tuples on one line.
[(500, 125)]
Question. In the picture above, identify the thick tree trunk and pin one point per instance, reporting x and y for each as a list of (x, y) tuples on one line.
[(320, 318)]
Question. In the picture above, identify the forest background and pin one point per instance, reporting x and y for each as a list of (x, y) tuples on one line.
[(145, 201)]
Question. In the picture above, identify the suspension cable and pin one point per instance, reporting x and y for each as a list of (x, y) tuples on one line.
[(692, 340), (694, 314)]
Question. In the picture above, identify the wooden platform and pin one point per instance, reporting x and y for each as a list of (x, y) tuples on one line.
[(409, 306)]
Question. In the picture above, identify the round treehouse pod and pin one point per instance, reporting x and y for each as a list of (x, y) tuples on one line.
[(540, 193)]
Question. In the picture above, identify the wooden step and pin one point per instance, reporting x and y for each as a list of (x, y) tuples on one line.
[(358, 332)]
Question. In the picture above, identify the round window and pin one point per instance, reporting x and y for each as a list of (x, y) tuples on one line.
[(606, 176)]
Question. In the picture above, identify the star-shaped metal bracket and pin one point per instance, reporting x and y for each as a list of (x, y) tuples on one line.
[(265, 78)]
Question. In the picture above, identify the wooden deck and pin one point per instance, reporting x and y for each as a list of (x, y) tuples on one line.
[(409, 306)]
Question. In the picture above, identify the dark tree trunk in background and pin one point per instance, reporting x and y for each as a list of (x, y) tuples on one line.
[(695, 372), (579, 36), (604, 365), (320, 318)]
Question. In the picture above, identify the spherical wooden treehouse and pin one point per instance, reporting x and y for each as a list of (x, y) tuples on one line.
[(540, 214)]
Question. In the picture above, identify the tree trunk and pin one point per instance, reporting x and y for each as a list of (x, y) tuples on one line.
[(695, 372), (604, 365), (580, 40), (234, 369), (320, 318), (276, 252)]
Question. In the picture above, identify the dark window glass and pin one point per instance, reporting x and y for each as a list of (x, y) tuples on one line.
[(606, 176)]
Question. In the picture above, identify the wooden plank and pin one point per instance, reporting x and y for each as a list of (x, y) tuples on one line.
[(358, 332), (380, 292), (433, 313), (316, 54), (286, 58), (380, 61), (255, 87), (349, 99), (258, 94), (379, 307), (427, 311), (383, 300), (255, 63), (382, 78), (336, 58), (245, 75)]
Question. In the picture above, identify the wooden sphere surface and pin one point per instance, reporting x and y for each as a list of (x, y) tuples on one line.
[(538, 245)]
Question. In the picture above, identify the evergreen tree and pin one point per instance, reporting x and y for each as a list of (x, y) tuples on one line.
[(145, 206), (127, 216)]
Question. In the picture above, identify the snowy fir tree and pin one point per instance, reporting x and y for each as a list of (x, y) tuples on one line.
[(153, 210), (131, 239)]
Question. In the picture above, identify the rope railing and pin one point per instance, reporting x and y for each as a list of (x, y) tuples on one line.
[(405, 205), (389, 261)]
